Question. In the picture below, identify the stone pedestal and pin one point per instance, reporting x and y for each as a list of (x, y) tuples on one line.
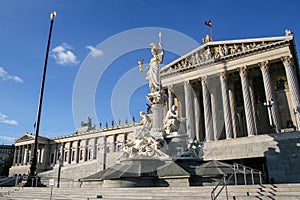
[(157, 100), (157, 121), (177, 144), (178, 181)]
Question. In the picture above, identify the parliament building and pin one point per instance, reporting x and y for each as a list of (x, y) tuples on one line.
[(239, 98)]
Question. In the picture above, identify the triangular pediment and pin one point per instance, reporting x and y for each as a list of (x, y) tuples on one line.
[(29, 137), (219, 51), (25, 137)]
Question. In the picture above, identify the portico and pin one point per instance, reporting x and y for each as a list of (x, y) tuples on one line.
[(237, 78)]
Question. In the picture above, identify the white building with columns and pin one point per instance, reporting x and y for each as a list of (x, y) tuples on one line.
[(239, 97)]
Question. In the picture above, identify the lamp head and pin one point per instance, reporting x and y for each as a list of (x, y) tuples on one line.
[(52, 15)]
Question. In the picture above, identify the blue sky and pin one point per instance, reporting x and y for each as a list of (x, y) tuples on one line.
[(80, 26)]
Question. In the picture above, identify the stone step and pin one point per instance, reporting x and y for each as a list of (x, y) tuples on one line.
[(283, 191)]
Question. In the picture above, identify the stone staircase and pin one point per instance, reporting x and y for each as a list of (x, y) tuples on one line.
[(240, 192)]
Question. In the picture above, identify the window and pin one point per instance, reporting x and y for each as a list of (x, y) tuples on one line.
[(66, 156), (90, 154), (80, 155)]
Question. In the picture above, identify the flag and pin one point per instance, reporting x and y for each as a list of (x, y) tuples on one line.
[(208, 23)]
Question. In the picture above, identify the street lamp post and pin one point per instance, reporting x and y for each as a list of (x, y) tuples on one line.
[(60, 163), (33, 166)]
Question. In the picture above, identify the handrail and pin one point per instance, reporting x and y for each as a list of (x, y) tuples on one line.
[(236, 169), (224, 183), (252, 171)]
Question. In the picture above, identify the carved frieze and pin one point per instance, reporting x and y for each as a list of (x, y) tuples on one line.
[(217, 52)]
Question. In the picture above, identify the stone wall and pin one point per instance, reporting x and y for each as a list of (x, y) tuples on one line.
[(282, 153), (283, 166), (111, 158), (75, 171), (23, 169)]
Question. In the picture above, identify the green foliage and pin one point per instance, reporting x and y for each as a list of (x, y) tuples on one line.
[(6, 164)]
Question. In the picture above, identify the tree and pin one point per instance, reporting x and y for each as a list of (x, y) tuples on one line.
[(6, 164)]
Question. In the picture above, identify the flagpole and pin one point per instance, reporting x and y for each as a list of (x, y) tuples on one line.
[(209, 24), (32, 173)]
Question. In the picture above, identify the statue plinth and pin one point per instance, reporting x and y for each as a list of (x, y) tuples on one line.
[(156, 100), (157, 118)]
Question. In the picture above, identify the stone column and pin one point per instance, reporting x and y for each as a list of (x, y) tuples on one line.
[(207, 110), (15, 156), (214, 116), (294, 87), (72, 150), (95, 148), (247, 101), (104, 152), (19, 155), (82, 151), (77, 153), (197, 117), (61, 158), (226, 105), (27, 154), (42, 150), (170, 97), (86, 149), (190, 122), (70, 153), (253, 105), (23, 155), (270, 95), (233, 110)]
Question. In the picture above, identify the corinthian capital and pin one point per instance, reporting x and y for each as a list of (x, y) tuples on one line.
[(187, 83), (204, 80), (264, 66), (223, 76), (287, 61), (243, 71), (170, 88)]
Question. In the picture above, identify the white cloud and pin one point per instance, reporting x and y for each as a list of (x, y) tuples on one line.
[(4, 120), (95, 52), (63, 55), (6, 138), (4, 75)]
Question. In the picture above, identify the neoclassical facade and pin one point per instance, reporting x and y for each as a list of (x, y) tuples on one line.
[(236, 88), (240, 98)]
